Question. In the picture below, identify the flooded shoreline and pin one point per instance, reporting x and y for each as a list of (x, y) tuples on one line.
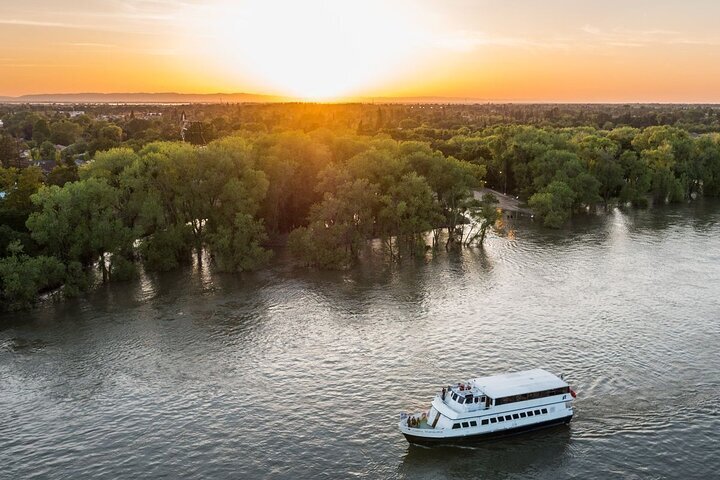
[(290, 372)]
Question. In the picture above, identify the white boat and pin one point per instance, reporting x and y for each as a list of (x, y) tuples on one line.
[(492, 406)]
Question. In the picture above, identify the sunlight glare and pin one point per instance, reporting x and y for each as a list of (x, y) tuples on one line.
[(316, 50)]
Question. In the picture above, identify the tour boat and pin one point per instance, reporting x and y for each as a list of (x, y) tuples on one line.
[(492, 406)]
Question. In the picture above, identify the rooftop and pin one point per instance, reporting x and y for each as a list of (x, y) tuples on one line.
[(516, 383)]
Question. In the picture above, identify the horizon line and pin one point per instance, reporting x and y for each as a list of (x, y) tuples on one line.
[(430, 99)]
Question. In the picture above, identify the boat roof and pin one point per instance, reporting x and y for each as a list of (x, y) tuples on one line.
[(517, 383)]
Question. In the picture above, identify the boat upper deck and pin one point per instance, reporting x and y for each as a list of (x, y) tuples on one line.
[(517, 383)]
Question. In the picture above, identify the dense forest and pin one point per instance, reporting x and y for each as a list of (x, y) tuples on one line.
[(89, 193)]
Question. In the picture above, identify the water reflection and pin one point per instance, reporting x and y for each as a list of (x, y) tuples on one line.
[(296, 373), (518, 456)]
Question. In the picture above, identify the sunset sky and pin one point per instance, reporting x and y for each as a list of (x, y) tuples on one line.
[(504, 50)]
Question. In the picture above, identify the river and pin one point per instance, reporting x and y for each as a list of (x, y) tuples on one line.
[(290, 373)]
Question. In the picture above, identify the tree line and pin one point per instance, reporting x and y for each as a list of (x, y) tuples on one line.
[(327, 191), (168, 201)]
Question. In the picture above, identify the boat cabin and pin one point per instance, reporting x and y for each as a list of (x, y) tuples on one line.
[(466, 397)]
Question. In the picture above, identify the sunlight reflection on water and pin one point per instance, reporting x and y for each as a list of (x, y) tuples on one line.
[(300, 374)]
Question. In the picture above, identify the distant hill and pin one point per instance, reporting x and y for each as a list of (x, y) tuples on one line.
[(168, 97), (172, 97)]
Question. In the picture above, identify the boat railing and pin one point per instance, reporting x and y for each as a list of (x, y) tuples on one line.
[(465, 407)]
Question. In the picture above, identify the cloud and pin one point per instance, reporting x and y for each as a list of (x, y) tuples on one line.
[(90, 45), (98, 26), (466, 41), (619, 37), (36, 23), (593, 38)]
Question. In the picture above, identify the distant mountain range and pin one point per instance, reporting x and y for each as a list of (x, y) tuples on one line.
[(168, 97), (171, 97)]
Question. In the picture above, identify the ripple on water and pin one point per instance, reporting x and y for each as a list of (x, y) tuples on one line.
[(296, 374)]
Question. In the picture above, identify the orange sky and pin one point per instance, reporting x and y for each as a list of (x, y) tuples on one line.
[(558, 50)]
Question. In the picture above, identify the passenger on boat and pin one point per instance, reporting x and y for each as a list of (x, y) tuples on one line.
[(443, 394)]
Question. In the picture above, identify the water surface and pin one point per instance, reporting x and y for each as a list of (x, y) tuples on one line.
[(298, 374)]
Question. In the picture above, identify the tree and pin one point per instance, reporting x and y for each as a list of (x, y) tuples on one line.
[(553, 204), (708, 152), (64, 132), (48, 151), (238, 247), (41, 131), (23, 277), (19, 186), (609, 173), (585, 187), (453, 182), (181, 196), (338, 226), (110, 133), (661, 162), (599, 155), (546, 167), (62, 174), (637, 179), (109, 165), (107, 136), (292, 162), (81, 222), (407, 210), (8, 151), (484, 214)]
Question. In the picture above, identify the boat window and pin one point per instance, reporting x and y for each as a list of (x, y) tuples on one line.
[(532, 395), (530, 413), (544, 410), (456, 425), (537, 412), (461, 400), (484, 422), (501, 419), (522, 415), (515, 416), (475, 400), (508, 417), (473, 423), (493, 420), (465, 424)]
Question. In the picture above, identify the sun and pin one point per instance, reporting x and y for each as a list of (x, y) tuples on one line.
[(314, 49)]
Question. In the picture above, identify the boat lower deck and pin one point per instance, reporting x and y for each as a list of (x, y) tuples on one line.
[(483, 436)]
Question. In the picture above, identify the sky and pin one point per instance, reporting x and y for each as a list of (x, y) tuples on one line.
[(494, 50)]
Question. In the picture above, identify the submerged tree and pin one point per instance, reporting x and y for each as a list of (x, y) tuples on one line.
[(81, 222), (338, 226), (23, 277), (483, 215), (553, 204)]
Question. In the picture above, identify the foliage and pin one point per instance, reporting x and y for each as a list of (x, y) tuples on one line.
[(23, 277), (8, 150), (238, 247), (80, 222), (331, 177), (483, 214), (166, 248), (338, 226), (553, 203)]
